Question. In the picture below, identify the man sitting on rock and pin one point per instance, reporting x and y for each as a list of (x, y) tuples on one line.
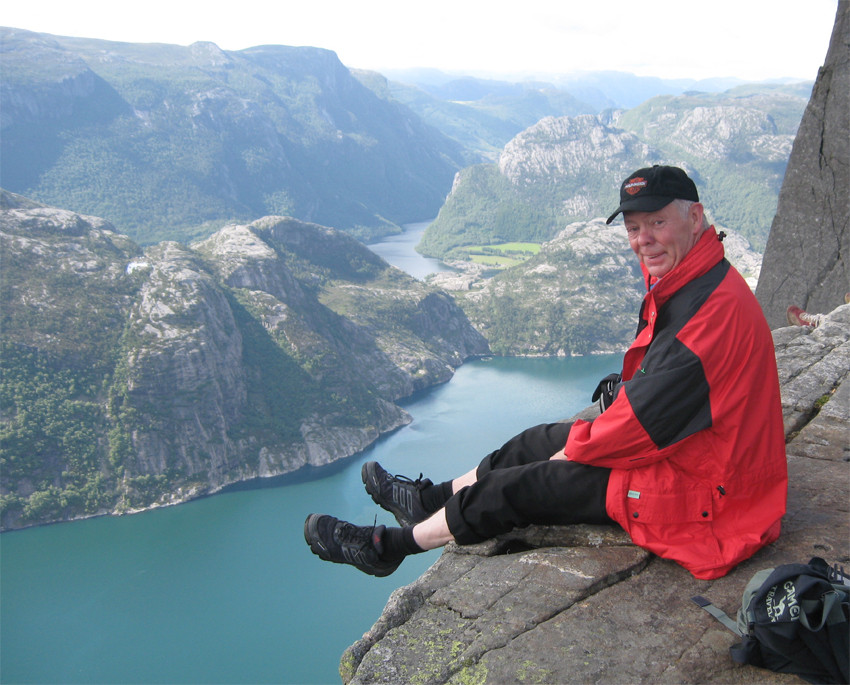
[(688, 455)]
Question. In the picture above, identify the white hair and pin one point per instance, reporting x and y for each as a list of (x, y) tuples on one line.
[(684, 207)]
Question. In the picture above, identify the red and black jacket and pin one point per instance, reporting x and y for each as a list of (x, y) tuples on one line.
[(694, 436)]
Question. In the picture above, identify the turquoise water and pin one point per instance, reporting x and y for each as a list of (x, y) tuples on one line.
[(224, 589)]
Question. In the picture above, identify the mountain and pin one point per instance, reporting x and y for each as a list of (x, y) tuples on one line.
[(132, 378), (481, 115), (599, 89), (578, 295), (735, 144), (481, 134), (170, 142)]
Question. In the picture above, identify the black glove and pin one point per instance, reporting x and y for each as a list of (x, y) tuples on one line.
[(605, 390)]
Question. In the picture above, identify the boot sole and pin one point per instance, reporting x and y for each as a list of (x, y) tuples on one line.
[(311, 535)]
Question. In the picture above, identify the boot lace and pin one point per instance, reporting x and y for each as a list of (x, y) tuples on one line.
[(361, 536), (420, 483)]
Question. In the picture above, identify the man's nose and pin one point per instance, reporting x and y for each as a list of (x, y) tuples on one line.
[(645, 236)]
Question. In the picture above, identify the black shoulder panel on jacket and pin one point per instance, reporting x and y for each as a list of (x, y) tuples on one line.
[(670, 395), (671, 399)]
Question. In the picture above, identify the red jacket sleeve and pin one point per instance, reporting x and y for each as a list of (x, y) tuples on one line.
[(666, 401)]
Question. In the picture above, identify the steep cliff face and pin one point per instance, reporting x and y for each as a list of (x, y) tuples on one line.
[(133, 379), (808, 252), (186, 383)]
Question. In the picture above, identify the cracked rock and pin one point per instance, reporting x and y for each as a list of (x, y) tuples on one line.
[(582, 604)]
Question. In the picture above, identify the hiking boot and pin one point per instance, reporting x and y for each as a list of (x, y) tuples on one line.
[(397, 494), (344, 543), (799, 317)]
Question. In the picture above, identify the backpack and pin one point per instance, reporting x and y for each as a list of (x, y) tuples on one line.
[(794, 619)]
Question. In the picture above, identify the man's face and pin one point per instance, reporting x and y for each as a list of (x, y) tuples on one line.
[(661, 239)]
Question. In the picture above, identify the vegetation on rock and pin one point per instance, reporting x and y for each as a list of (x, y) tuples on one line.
[(130, 379), (735, 144), (171, 142)]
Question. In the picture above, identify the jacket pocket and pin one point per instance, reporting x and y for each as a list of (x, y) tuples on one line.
[(688, 505)]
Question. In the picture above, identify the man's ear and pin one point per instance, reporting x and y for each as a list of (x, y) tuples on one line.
[(695, 213)]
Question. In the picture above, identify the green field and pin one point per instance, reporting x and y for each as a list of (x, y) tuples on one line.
[(503, 254)]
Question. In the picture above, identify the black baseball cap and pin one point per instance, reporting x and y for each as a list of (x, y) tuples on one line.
[(652, 188)]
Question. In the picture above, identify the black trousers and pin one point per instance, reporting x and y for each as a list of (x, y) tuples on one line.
[(518, 486)]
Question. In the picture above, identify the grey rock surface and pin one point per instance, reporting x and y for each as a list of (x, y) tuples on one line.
[(583, 604), (808, 250)]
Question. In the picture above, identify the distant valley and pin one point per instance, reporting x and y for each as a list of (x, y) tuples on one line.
[(187, 298)]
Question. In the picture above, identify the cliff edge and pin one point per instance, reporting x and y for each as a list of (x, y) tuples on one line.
[(583, 604)]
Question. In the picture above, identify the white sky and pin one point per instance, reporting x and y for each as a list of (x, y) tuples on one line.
[(748, 39)]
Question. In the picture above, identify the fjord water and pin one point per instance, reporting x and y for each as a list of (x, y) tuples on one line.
[(399, 250), (224, 589)]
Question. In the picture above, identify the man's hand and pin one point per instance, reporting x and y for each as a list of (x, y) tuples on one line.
[(605, 391), (559, 455)]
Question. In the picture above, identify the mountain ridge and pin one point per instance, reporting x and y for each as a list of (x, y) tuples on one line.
[(562, 169), (171, 142), (137, 378)]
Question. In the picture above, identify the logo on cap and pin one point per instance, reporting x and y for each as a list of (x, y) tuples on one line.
[(635, 185)]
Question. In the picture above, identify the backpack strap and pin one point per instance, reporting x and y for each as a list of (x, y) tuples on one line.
[(718, 613), (833, 655), (830, 605)]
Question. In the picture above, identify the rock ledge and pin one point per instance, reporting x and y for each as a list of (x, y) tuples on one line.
[(582, 604)]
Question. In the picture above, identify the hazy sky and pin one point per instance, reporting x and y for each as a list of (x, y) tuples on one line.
[(749, 39)]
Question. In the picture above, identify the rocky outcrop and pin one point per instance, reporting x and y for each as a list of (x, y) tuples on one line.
[(561, 170), (137, 378), (808, 251), (582, 604), (566, 147), (578, 295)]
